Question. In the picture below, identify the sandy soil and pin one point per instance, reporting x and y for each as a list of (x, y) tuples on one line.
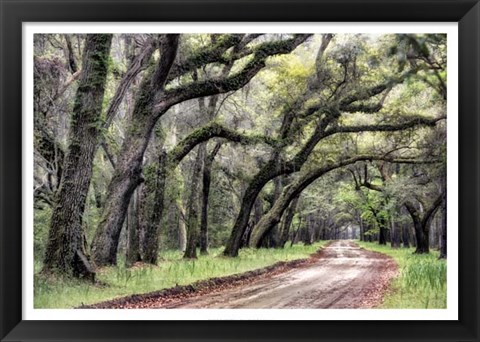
[(341, 275), (345, 276)]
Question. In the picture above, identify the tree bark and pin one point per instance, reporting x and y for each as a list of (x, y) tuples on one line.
[(126, 178), (362, 228), (422, 246), (271, 239), (182, 229), (248, 200), (152, 230), (192, 207), (70, 55), (421, 223), (382, 236), (65, 250), (406, 236), (206, 179), (287, 222), (443, 233), (394, 234), (133, 226), (307, 231)]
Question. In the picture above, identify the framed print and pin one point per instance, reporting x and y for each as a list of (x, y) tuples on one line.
[(244, 171)]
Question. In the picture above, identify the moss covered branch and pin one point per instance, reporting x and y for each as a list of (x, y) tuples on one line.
[(215, 130), (234, 82), (417, 121), (212, 54)]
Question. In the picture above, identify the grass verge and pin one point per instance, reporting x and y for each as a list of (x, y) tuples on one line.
[(422, 279), (172, 270)]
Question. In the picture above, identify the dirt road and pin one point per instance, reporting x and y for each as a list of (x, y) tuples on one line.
[(345, 276), (341, 275)]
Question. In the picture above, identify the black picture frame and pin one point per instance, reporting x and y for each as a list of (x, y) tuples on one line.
[(14, 12)]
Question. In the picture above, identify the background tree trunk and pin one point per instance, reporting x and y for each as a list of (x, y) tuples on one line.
[(394, 234), (443, 233), (206, 179), (182, 229), (287, 222), (421, 222), (362, 228), (133, 226), (271, 238), (406, 235), (192, 207)]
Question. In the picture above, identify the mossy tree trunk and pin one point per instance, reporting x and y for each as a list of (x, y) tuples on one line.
[(127, 174), (421, 240), (271, 239), (443, 233), (362, 227), (192, 207), (394, 233), (406, 235), (126, 178), (208, 112), (382, 230), (206, 180), (287, 222), (133, 226), (256, 216), (153, 226), (307, 230), (65, 250), (182, 229)]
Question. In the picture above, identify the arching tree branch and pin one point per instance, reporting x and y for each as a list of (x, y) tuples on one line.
[(210, 131), (294, 189)]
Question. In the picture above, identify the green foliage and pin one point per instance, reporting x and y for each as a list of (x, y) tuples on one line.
[(370, 204)]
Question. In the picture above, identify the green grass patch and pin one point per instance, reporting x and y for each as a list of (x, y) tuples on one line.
[(422, 280), (172, 270)]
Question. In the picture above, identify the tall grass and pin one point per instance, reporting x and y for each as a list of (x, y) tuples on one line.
[(422, 280), (172, 270)]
